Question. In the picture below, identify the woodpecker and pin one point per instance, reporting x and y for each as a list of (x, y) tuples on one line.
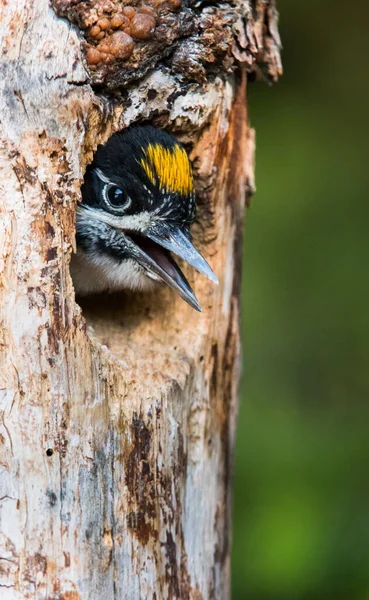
[(137, 206)]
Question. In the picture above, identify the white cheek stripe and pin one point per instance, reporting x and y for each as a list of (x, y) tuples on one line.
[(138, 222)]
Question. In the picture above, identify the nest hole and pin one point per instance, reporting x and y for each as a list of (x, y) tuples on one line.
[(146, 329)]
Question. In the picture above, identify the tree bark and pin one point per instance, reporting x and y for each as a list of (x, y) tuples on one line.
[(117, 417)]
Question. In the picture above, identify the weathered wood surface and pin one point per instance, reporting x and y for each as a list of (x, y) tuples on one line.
[(117, 421)]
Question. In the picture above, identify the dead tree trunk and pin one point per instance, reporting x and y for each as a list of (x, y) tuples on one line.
[(117, 420)]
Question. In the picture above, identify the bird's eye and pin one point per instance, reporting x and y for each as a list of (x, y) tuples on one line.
[(116, 198)]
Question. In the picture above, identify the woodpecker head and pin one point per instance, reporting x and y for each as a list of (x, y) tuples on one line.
[(137, 207)]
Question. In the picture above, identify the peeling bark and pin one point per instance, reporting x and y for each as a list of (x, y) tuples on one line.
[(117, 417)]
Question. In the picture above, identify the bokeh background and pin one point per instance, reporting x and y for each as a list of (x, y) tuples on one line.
[(301, 485)]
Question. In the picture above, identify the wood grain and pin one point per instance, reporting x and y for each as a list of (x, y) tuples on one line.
[(117, 416)]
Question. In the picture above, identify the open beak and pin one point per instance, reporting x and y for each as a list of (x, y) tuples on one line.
[(152, 251)]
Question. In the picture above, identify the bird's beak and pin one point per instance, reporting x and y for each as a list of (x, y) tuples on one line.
[(152, 253), (174, 240)]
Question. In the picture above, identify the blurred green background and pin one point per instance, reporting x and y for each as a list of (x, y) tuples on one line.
[(301, 486)]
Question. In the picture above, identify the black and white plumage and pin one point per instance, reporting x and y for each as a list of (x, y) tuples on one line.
[(137, 207)]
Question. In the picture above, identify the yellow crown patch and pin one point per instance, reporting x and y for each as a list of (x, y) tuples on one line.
[(169, 168)]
